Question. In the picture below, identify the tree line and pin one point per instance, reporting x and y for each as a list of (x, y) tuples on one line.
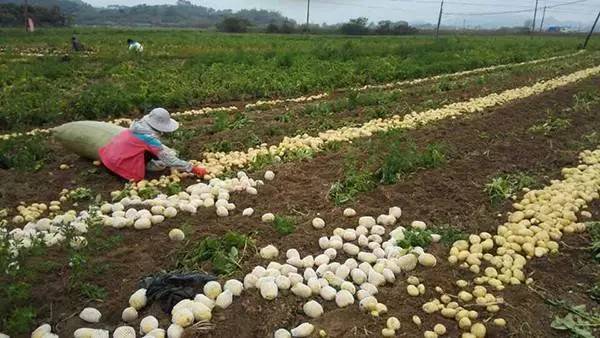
[(358, 26), (14, 15), (183, 14)]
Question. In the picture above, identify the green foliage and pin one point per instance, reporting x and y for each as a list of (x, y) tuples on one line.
[(233, 25), (404, 158), (352, 100), (284, 225), (449, 234), (595, 292), (591, 140), (223, 120), (356, 26), (551, 125), (225, 253), (32, 266), (219, 146), (81, 194), (28, 153), (354, 182), (17, 314), (585, 99), (21, 319), (322, 109), (240, 120), (123, 193), (173, 188), (578, 321), (504, 186), (444, 85), (284, 118), (499, 189), (415, 237), (92, 291), (83, 265), (299, 154), (13, 15), (594, 230), (332, 146), (220, 121), (263, 160), (376, 112), (187, 229), (252, 140), (398, 158), (148, 192), (182, 14)]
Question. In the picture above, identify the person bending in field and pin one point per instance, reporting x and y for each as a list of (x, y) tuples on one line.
[(75, 44), (135, 46), (139, 148)]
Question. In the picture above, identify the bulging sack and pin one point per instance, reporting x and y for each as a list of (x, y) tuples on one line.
[(85, 138)]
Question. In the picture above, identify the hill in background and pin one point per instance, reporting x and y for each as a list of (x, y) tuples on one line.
[(184, 14)]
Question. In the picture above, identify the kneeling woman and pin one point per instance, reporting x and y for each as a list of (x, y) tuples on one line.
[(139, 148)]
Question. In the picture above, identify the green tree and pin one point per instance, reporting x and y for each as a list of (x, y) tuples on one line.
[(233, 25), (356, 26)]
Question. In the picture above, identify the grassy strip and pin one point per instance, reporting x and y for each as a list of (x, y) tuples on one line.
[(503, 187), (394, 160), (224, 254)]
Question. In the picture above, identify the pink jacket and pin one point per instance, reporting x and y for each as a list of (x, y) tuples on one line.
[(125, 155)]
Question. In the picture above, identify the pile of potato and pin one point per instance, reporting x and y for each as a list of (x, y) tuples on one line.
[(131, 211), (534, 228), (204, 111), (301, 99), (372, 263)]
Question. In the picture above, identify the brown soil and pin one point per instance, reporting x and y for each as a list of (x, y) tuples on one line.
[(484, 145)]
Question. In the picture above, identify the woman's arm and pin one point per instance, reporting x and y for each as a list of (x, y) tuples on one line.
[(169, 157)]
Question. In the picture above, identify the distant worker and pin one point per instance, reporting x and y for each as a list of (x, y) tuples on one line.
[(139, 148), (75, 44), (135, 46)]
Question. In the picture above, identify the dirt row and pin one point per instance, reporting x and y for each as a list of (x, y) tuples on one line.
[(487, 144)]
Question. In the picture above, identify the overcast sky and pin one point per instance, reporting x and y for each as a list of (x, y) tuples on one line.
[(334, 11)]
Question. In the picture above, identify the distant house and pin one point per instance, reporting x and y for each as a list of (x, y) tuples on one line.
[(559, 29)]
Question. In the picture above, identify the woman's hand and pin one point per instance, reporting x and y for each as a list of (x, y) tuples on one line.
[(199, 171)]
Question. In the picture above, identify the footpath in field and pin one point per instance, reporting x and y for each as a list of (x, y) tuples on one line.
[(420, 197)]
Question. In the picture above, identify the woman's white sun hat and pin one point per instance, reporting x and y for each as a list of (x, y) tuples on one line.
[(160, 119)]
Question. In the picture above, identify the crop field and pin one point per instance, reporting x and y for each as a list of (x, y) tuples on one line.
[(356, 187), (186, 69)]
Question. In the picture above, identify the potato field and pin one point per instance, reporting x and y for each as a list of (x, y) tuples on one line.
[(356, 187)]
